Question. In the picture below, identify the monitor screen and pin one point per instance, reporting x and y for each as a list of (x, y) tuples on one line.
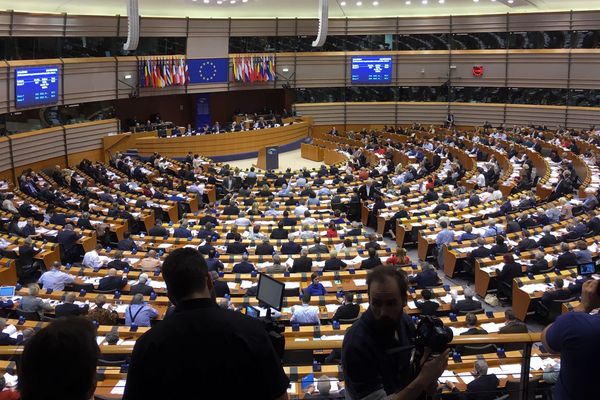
[(586, 269), (252, 312), (372, 69), (36, 86), (7, 291), (270, 291)]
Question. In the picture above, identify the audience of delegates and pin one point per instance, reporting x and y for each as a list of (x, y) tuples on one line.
[(315, 288), (426, 278), (69, 308), (139, 312), (305, 314), (428, 306), (55, 279), (103, 313), (468, 304)]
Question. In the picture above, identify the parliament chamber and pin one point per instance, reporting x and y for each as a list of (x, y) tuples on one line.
[(451, 145)]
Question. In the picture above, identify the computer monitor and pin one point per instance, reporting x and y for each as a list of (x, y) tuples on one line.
[(586, 269), (270, 291), (7, 291)]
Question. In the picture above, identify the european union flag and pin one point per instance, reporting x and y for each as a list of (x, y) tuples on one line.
[(208, 70)]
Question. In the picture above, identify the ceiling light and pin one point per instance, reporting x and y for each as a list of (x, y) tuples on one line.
[(343, 3), (511, 1), (194, 0), (424, 2), (475, 1), (359, 3), (285, 69), (232, 1), (206, 1), (375, 3), (244, 1), (219, 2), (441, 1), (407, 2)]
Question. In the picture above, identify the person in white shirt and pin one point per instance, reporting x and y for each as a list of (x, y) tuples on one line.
[(55, 279), (306, 233), (92, 259), (305, 314), (242, 220), (300, 208), (309, 219), (480, 181), (272, 210)]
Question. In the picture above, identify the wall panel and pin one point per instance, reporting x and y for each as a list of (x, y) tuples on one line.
[(551, 116), (4, 23), (477, 113), (586, 20), (479, 23), (370, 113), (415, 25), (162, 27), (88, 136), (322, 113), (4, 82), (320, 70), (547, 69), (583, 117), (4, 154), (427, 68), (91, 26), (253, 27), (539, 22), (208, 27), (37, 25), (584, 70), (78, 84), (493, 61), (37, 146), (371, 26)]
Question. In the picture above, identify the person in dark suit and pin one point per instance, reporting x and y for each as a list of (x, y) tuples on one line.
[(567, 259), (27, 268), (237, 247), (593, 223), (126, 244), (290, 247), (182, 231), (287, 220), (26, 211), (117, 263), (510, 270), (484, 387), (28, 229), (6, 340), (68, 308), (428, 306), (427, 277), (373, 242), (481, 251), (207, 246), (213, 262), (279, 232), (221, 287), (158, 229), (57, 218), (84, 222), (539, 264), (112, 281), (512, 324), (68, 242), (571, 234), (558, 292), (348, 310), (142, 286), (368, 191), (243, 267), (372, 261), (548, 239), (527, 242), (303, 263), (471, 321), (468, 304), (265, 248), (333, 263), (499, 247)]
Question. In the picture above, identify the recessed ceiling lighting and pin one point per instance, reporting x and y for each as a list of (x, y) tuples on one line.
[(375, 3), (424, 2), (475, 1), (511, 1), (407, 2), (441, 1), (343, 3), (359, 3), (219, 2), (206, 1), (285, 69), (232, 1)]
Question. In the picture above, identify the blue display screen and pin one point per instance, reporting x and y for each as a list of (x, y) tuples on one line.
[(371, 69), (36, 86)]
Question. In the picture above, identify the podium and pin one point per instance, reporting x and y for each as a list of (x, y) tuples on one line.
[(268, 158)]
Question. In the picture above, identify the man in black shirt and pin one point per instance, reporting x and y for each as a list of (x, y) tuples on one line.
[(348, 309), (371, 366), (203, 345)]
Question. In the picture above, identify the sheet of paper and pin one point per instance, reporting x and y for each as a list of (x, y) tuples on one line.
[(360, 282), (119, 387), (246, 284), (100, 339), (467, 377), (448, 376), (331, 308)]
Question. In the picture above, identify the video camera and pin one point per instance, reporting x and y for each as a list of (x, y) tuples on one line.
[(432, 333)]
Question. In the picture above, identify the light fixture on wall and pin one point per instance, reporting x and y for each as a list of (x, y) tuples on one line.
[(127, 76)]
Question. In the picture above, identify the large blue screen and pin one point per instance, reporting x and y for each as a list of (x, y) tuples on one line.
[(36, 86), (371, 69)]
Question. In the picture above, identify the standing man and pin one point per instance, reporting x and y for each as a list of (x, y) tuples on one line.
[(575, 336), (373, 368), (204, 345)]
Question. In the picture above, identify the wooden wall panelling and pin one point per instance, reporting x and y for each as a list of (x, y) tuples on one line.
[(208, 27), (92, 155), (584, 69), (475, 114), (371, 26), (91, 26), (559, 21), (253, 27), (4, 82), (539, 69), (519, 114), (89, 79), (586, 20), (162, 27), (428, 68), (583, 117), (88, 136), (41, 164), (126, 66), (37, 146), (416, 25), (5, 164), (370, 113), (322, 113), (493, 62), (313, 70), (428, 113), (308, 27), (37, 25), (4, 23), (479, 23)]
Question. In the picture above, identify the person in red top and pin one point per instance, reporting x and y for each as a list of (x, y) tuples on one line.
[(363, 174), (332, 230), (7, 394), (399, 258), (430, 183)]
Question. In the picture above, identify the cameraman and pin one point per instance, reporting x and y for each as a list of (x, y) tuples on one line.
[(373, 367), (575, 336)]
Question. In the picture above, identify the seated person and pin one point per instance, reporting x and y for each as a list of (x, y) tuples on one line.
[(471, 322), (333, 263), (539, 263), (547, 239), (101, 314), (117, 263), (32, 303), (139, 313), (69, 308), (427, 306), (126, 244), (583, 254), (427, 277), (324, 390), (290, 247), (481, 251), (315, 288), (243, 267), (527, 242), (398, 258), (468, 304), (372, 261), (112, 282), (567, 259), (318, 247), (510, 270), (499, 247), (558, 292), (276, 267), (265, 248), (151, 262), (512, 324), (303, 263), (468, 234), (221, 287), (213, 262), (348, 310), (305, 314), (142, 286), (237, 247), (483, 387)]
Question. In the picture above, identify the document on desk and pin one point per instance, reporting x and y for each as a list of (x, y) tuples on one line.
[(100, 339), (231, 285), (360, 282), (331, 308), (448, 376), (165, 245), (467, 377), (119, 387), (512, 369), (292, 388), (246, 284), (327, 284), (292, 285)]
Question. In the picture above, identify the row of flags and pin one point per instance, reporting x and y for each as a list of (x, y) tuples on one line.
[(160, 72), (250, 69)]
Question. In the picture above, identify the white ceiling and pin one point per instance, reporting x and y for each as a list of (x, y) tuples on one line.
[(297, 8)]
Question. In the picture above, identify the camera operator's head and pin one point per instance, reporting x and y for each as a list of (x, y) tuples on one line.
[(387, 288), (186, 274)]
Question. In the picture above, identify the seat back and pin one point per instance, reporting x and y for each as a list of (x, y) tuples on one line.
[(469, 350), (556, 308), (28, 315), (477, 311), (349, 320)]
